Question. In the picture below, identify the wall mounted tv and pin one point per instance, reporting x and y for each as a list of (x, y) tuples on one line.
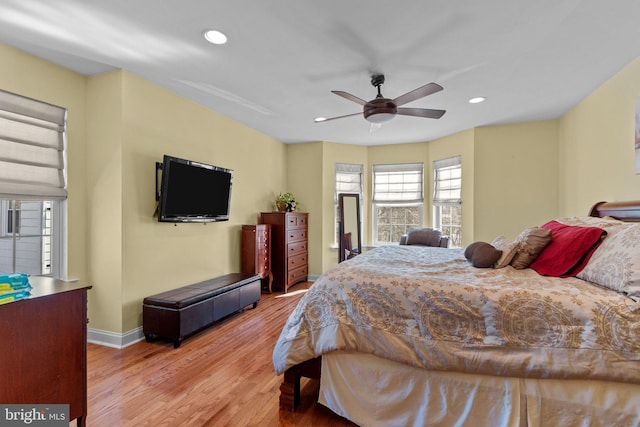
[(192, 191)]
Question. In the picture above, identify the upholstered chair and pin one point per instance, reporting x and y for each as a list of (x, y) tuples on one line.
[(425, 237)]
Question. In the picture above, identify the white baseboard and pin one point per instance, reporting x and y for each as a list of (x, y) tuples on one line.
[(112, 339), (115, 340)]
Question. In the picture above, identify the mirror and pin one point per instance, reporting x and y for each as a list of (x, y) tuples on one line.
[(349, 242)]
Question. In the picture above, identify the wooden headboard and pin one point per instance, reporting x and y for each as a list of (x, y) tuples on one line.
[(624, 211)]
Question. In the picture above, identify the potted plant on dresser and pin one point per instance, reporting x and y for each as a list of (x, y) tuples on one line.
[(286, 202)]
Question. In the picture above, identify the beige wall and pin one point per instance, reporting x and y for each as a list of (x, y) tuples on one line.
[(304, 169), (119, 125), (486, 153), (160, 256), (596, 145), (30, 76), (462, 144), (515, 179), (133, 123), (103, 175)]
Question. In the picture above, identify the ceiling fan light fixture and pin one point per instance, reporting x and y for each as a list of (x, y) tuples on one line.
[(380, 110), (215, 36), (379, 117), (477, 100)]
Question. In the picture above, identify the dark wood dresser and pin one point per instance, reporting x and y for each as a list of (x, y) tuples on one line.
[(256, 252), (289, 247), (44, 351)]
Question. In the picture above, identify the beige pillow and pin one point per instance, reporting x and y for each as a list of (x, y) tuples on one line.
[(616, 262), (531, 242), (508, 248), (590, 221)]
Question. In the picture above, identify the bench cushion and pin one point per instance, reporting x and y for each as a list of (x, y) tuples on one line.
[(191, 294)]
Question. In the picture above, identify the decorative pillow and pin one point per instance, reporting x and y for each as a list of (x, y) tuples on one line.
[(569, 250), (508, 248), (423, 236), (616, 262), (482, 254), (530, 243), (591, 221)]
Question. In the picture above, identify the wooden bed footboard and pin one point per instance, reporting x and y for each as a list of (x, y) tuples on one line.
[(290, 387)]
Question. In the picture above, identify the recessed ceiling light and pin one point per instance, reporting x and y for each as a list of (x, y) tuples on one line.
[(215, 37), (477, 100), (319, 119)]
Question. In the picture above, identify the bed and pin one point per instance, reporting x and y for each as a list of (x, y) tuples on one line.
[(406, 335)]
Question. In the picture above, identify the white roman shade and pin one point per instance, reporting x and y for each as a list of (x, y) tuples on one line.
[(348, 178), (447, 181), (398, 183), (32, 142)]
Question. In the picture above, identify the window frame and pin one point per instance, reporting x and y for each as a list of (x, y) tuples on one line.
[(57, 243), (447, 192), (409, 193), (35, 134), (346, 169)]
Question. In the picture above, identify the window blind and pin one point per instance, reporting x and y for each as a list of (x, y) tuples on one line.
[(398, 183), (447, 181), (348, 178), (32, 142)]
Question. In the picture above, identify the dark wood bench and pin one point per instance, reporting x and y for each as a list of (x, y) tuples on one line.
[(180, 312)]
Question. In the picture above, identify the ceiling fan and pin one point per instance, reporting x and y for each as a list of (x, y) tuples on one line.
[(381, 109)]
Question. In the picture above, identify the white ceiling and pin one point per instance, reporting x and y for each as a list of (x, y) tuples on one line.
[(532, 60)]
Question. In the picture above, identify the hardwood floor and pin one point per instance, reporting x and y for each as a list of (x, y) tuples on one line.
[(222, 376)]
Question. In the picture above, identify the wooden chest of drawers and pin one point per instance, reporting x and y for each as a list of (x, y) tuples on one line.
[(289, 247), (256, 252), (44, 347)]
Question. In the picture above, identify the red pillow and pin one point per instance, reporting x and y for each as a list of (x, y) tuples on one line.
[(569, 250)]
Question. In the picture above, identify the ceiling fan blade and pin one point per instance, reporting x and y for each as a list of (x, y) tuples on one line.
[(339, 117), (349, 97), (421, 92), (421, 112)]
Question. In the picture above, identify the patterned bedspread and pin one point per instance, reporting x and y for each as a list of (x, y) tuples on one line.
[(428, 307)]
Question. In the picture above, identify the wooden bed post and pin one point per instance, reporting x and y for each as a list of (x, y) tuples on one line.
[(290, 387)]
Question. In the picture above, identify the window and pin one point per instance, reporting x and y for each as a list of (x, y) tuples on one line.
[(32, 186), (397, 201), (348, 180), (13, 218), (447, 198)]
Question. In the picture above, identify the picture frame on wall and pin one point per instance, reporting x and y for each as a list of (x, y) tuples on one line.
[(637, 138)]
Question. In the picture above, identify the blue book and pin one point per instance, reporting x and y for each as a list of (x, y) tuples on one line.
[(15, 296), (13, 281)]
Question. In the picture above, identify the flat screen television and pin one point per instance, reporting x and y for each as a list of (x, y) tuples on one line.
[(193, 192)]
